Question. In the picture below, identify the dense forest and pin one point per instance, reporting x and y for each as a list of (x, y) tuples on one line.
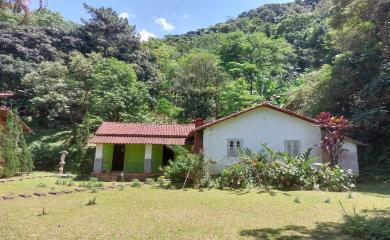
[(308, 56)]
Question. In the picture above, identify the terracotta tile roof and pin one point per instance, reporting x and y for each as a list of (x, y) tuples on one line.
[(264, 104), (145, 129), (3, 117), (137, 140), (142, 133), (6, 94)]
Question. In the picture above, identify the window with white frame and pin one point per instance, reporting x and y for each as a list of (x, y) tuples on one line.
[(233, 146), (292, 147)]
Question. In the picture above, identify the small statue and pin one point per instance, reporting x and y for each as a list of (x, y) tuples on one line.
[(62, 162)]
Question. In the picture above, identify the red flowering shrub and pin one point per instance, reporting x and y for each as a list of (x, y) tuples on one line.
[(333, 129)]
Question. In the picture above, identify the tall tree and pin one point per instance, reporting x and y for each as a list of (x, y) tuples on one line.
[(235, 96), (198, 79), (111, 35), (9, 145), (64, 93), (261, 60)]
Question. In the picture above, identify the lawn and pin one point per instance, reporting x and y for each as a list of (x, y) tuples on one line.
[(149, 212)]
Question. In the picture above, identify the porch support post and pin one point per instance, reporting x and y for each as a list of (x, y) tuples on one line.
[(98, 163), (148, 158)]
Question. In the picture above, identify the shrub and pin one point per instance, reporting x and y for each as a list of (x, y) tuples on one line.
[(281, 171), (366, 226), (333, 178), (135, 183), (163, 181), (13, 148), (186, 166), (238, 176)]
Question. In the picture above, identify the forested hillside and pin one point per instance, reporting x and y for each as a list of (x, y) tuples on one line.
[(308, 56)]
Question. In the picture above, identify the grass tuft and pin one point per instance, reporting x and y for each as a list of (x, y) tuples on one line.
[(43, 212), (41, 185), (91, 202), (350, 195), (135, 183), (297, 199)]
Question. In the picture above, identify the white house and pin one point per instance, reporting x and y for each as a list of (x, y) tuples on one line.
[(136, 148), (278, 128)]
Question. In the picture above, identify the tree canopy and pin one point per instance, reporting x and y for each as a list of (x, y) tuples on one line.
[(309, 56)]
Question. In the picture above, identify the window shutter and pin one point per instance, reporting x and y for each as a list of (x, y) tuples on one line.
[(296, 148), (289, 148)]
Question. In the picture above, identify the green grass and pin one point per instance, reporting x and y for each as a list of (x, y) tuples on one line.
[(153, 213)]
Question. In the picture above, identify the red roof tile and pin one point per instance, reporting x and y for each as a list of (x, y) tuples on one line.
[(145, 129), (6, 94), (137, 140), (142, 133)]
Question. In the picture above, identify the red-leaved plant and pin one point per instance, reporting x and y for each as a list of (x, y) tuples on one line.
[(332, 139)]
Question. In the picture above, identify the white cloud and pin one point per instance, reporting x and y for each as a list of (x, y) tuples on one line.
[(127, 15), (145, 35), (164, 24), (186, 16)]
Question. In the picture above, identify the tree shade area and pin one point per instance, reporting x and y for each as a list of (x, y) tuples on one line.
[(309, 56)]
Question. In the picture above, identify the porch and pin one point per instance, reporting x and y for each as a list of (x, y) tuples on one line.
[(136, 149), (134, 160)]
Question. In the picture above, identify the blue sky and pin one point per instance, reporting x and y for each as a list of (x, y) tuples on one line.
[(161, 17)]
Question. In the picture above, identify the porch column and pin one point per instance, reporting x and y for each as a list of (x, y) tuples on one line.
[(148, 158), (98, 163)]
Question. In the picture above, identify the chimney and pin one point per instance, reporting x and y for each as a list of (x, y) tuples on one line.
[(198, 122)]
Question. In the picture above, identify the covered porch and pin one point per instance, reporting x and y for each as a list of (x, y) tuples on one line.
[(137, 150), (131, 158)]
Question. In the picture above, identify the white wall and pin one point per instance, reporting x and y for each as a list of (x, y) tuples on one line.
[(263, 125), (266, 125)]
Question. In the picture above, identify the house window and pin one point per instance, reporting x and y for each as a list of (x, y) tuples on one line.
[(292, 147), (234, 146)]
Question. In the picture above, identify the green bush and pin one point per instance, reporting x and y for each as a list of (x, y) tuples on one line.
[(186, 165), (45, 156), (163, 181), (278, 170), (13, 148), (333, 178), (366, 226), (135, 183), (239, 175)]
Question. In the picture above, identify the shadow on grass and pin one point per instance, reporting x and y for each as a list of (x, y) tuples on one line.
[(385, 211), (375, 189), (328, 230)]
